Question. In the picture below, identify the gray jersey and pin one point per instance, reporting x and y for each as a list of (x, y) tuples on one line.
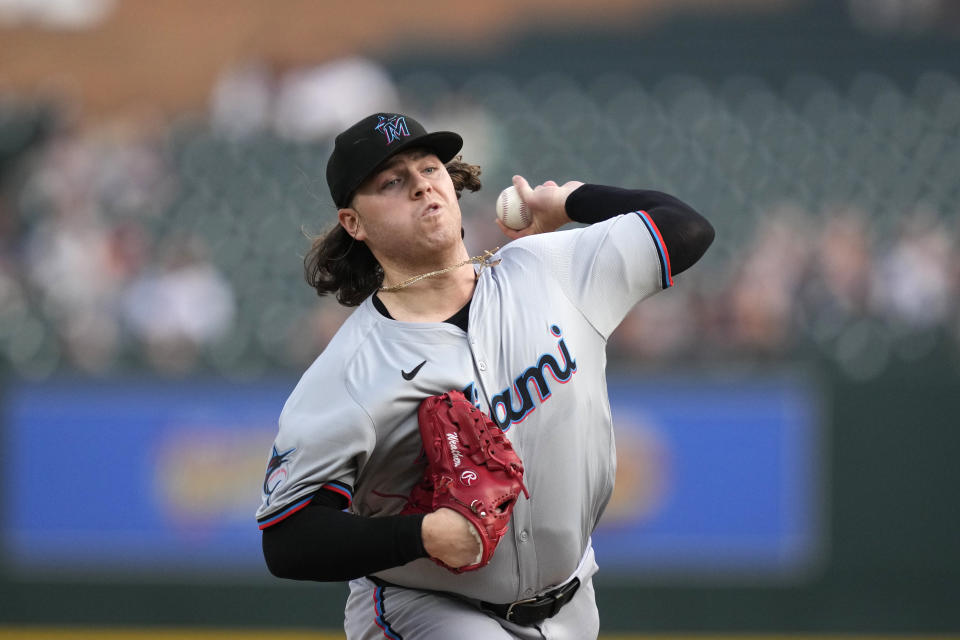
[(533, 358)]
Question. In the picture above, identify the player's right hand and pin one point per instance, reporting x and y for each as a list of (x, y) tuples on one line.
[(547, 203), (450, 538)]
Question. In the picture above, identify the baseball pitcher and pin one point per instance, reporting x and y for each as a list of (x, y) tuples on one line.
[(451, 450)]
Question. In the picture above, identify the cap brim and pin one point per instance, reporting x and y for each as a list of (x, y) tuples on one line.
[(446, 144)]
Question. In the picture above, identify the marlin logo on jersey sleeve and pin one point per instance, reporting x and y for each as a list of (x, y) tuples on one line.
[(514, 404), (276, 472), (393, 128)]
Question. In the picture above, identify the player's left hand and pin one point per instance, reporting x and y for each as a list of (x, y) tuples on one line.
[(547, 204), (451, 538)]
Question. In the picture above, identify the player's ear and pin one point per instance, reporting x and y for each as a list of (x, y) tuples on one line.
[(350, 221)]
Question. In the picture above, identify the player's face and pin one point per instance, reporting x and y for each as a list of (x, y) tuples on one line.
[(407, 211)]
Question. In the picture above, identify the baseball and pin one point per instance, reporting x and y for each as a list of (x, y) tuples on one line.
[(511, 210)]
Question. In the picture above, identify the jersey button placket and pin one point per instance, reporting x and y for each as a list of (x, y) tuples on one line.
[(478, 358), (526, 548)]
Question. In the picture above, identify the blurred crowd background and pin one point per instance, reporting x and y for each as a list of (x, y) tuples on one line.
[(176, 247), (162, 173), (172, 242)]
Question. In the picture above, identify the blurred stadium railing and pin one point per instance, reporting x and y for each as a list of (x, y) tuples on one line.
[(176, 248)]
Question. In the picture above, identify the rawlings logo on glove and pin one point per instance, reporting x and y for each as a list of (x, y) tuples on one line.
[(471, 468)]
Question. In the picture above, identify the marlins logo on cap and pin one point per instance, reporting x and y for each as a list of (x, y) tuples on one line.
[(358, 151), (393, 128)]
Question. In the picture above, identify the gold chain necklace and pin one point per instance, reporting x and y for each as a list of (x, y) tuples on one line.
[(483, 260)]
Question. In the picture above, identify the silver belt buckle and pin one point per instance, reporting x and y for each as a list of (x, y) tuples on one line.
[(508, 617)]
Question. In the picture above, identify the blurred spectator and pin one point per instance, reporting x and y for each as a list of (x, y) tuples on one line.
[(317, 102), (914, 280), (242, 100), (179, 307), (765, 291), (843, 262), (68, 261), (837, 285), (301, 103)]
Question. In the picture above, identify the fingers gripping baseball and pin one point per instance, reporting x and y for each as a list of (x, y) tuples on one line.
[(451, 538), (546, 204)]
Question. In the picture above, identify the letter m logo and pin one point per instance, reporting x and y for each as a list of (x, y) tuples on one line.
[(393, 128)]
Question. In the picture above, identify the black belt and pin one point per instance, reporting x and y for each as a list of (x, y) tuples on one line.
[(523, 612), (534, 610)]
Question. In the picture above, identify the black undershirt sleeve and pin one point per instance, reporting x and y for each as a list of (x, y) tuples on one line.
[(686, 233), (323, 543)]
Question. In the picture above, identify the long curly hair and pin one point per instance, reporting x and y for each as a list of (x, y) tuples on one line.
[(337, 263)]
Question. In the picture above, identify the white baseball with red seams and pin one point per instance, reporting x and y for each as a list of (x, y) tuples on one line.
[(513, 211)]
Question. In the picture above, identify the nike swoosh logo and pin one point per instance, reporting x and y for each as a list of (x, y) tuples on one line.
[(412, 374)]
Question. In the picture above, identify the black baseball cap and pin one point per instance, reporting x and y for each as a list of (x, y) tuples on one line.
[(358, 151)]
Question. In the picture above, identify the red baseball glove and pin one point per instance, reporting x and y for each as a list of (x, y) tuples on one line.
[(471, 468)]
